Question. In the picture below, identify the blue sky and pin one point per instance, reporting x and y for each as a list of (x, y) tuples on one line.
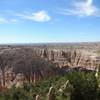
[(39, 21)]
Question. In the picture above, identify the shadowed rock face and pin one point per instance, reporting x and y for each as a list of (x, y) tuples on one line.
[(18, 65)]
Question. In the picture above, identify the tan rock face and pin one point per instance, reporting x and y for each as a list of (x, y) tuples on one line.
[(19, 65), (73, 58), (51, 94), (37, 97)]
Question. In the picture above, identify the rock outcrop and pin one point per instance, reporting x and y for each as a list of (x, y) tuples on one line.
[(73, 58), (51, 94), (37, 97), (20, 64)]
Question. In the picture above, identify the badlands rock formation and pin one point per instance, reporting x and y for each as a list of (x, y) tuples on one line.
[(73, 58), (31, 64)]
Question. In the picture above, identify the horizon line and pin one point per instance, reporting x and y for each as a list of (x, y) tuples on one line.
[(48, 43)]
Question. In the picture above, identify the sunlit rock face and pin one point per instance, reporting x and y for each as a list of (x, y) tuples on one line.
[(73, 58), (32, 64)]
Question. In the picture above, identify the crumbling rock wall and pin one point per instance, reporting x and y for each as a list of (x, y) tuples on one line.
[(72, 58), (18, 65)]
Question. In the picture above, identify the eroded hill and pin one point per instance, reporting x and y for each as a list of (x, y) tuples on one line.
[(19, 64)]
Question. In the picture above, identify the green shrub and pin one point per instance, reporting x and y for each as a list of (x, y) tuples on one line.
[(81, 86)]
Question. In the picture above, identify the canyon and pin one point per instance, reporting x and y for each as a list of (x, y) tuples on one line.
[(32, 63)]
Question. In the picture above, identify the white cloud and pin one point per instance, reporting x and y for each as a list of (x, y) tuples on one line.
[(7, 21), (40, 16), (12, 17), (82, 8), (3, 20), (13, 20)]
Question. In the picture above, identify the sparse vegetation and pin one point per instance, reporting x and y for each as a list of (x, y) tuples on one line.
[(81, 86)]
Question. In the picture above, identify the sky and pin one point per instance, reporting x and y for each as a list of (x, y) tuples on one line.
[(48, 21)]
